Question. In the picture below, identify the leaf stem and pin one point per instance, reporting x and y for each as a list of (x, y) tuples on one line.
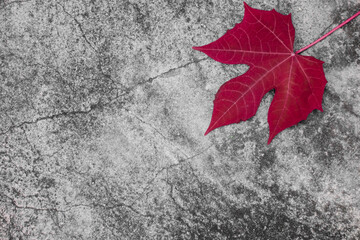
[(320, 39)]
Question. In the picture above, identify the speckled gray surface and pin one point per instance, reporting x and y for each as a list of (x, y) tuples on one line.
[(103, 109)]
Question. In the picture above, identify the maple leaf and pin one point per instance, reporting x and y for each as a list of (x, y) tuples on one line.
[(264, 41)]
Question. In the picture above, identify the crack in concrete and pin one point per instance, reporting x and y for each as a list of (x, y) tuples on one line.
[(157, 131), (157, 174), (68, 208), (98, 105), (150, 80), (93, 107), (16, 205), (80, 27), (50, 117), (10, 3)]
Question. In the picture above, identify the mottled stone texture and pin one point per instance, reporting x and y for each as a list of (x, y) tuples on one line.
[(103, 109)]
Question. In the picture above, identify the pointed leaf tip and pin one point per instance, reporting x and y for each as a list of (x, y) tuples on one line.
[(269, 140), (246, 6), (207, 131)]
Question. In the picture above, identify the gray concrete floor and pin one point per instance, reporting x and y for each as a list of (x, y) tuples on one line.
[(103, 109)]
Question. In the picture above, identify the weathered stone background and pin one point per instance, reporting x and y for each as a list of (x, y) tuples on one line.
[(103, 109)]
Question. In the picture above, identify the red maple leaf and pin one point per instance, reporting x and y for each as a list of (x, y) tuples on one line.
[(264, 41)]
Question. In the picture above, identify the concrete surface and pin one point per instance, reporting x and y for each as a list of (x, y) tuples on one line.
[(103, 109)]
